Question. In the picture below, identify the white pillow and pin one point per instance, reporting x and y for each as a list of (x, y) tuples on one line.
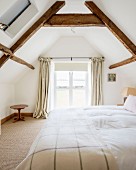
[(130, 103)]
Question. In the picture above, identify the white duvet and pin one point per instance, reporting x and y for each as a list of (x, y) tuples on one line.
[(93, 138), (117, 128)]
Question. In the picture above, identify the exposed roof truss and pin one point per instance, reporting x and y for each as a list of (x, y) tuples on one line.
[(10, 55), (98, 18)]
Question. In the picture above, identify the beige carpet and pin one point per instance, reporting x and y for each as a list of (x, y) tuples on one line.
[(16, 139)]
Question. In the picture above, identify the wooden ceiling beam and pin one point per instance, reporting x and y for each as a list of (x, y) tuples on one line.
[(73, 20), (20, 61), (5, 49), (33, 29), (112, 27), (4, 59), (8, 53), (124, 62)]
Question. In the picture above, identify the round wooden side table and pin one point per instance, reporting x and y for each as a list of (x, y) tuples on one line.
[(19, 107)]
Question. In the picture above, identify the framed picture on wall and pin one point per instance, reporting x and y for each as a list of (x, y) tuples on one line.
[(111, 77)]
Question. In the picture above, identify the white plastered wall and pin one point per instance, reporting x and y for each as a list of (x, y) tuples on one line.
[(26, 88), (7, 98)]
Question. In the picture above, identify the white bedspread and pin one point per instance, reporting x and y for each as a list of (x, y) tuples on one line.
[(93, 138)]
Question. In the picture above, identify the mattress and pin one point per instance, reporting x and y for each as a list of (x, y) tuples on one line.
[(92, 138)]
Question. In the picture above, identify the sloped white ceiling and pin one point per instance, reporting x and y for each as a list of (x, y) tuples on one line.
[(121, 12), (42, 40)]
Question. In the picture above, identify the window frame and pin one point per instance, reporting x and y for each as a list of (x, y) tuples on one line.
[(14, 18), (70, 87)]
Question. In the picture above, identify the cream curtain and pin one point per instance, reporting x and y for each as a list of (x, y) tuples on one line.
[(96, 80), (43, 88)]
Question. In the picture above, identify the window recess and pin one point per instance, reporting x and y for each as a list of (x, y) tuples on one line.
[(14, 12), (71, 85), (16, 15)]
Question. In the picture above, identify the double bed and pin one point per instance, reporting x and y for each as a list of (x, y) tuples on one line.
[(92, 138)]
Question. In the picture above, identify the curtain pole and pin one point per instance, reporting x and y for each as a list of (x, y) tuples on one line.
[(71, 58)]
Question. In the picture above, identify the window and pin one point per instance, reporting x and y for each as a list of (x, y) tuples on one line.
[(14, 12), (62, 89), (17, 14), (71, 87)]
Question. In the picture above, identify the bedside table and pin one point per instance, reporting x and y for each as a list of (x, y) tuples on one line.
[(19, 107)]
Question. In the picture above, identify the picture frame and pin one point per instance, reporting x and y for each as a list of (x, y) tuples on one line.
[(111, 77)]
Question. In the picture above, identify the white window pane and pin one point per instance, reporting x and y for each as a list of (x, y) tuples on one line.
[(62, 79), (62, 98), (79, 78), (79, 98)]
